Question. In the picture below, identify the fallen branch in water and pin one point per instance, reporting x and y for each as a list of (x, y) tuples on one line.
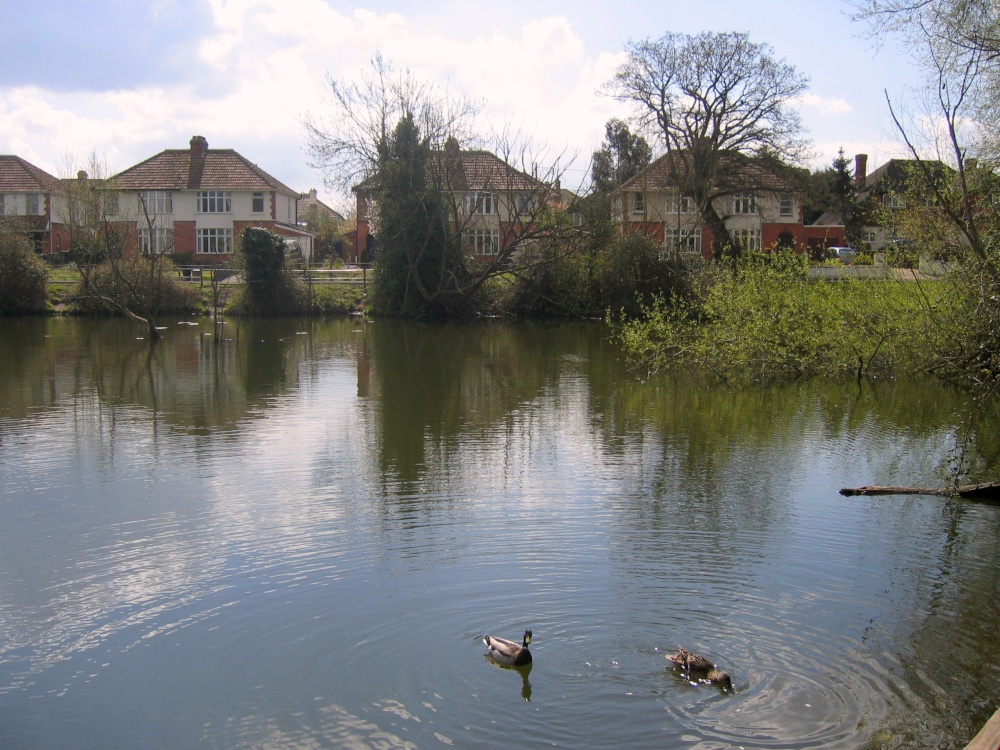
[(985, 491)]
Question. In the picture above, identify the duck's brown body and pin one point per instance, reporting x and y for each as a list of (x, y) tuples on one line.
[(510, 653), (697, 666)]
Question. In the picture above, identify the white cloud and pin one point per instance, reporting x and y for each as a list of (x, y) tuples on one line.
[(826, 105)]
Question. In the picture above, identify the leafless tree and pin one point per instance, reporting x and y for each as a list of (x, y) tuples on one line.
[(721, 107)]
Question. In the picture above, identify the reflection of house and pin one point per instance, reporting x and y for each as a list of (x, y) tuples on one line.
[(199, 201), (491, 203), (758, 208), (28, 193)]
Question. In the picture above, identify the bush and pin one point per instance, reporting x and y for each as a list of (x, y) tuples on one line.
[(762, 320), (112, 286), (22, 275)]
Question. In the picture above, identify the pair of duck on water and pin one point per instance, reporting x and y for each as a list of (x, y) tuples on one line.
[(695, 666)]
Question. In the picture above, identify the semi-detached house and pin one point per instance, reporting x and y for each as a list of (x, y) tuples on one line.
[(198, 201), (30, 195)]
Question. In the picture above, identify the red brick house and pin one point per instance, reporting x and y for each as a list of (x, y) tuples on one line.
[(30, 195), (759, 208), (199, 200), (493, 205)]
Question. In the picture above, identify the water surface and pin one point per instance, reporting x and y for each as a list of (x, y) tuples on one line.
[(295, 537)]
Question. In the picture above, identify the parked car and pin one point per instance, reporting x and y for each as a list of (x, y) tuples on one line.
[(843, 254)]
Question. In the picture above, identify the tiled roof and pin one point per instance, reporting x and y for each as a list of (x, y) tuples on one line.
[(19, 176), (736, 171), (475, 170), (896, 173), (175, 169)]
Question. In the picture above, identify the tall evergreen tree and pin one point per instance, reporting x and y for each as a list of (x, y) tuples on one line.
[(623, 155), (418, 259)]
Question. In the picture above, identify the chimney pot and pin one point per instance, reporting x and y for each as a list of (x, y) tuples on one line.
[(860, 169)]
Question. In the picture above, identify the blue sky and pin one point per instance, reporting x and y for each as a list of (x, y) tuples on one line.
[(125, 80)]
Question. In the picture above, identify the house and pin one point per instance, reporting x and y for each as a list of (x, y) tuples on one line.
[(759, 208), (31, 195), (886, 191), (492, 204), (196, 201)]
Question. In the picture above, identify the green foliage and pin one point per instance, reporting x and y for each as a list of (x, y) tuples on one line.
[(416, 254), (269, 290), (622, 156), (22, 274), (763, 320), (622, 274), (143, 284)]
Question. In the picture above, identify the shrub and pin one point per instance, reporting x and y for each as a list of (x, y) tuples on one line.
[(22, 275), (114, 286)]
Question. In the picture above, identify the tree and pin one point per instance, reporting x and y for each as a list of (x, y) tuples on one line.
[(22, 272), (720, 106), (121, 244), (395, 140), (623, 155)]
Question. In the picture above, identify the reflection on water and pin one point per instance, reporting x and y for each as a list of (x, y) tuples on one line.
[(293, 537)]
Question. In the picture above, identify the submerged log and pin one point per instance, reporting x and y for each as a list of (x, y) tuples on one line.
[(984, 491)]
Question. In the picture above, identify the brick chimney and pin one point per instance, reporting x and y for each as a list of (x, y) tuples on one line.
[(860, 169), (199, 147)]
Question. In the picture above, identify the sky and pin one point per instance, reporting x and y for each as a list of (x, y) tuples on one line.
[(124, 80)]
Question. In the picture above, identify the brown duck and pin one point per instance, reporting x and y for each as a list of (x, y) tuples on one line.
[(697, 666)]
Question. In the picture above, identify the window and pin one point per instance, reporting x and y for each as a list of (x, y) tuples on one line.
[(159, 241), (686, 204), (749, 239), (111, 205), (157, 201), (258, 203), (482, 241), (525, 204), (2, 209), (786, 204), (215, 241), (891, 200), (686, 240), (479, 203), (214, 202), (31, 204), (744, 203), (638, 203)]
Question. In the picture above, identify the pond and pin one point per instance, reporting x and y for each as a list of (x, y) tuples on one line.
[(296, 537)]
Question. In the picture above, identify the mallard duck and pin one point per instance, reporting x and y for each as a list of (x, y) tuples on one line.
[(507, 652), (699, 667)]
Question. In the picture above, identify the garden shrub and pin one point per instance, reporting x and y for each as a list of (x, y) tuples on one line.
[(22, 275)]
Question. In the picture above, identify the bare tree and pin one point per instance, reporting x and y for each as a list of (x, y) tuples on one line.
[(121, 247), (437, 207), (720, 105)]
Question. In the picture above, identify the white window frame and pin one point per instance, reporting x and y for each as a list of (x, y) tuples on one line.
[(480, 202), (686, 204), (749, 239), (254, 197), (638, 203), (786, 204), (32, 201), (162, 241), (525, 204), (688, 240), (214, 202), (212, 241), (482, 241), (744, 204), (157, 202), (893, 200), (3, 211)]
